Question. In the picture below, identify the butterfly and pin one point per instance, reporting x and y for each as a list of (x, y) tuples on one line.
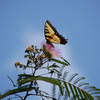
[(51, 34)]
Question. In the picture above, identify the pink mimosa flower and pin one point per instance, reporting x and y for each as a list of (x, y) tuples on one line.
[(52, 50)]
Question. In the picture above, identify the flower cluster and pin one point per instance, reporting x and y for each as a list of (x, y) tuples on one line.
[(38, 57)]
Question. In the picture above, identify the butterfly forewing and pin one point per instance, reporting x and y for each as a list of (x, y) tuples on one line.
[(52, 35)]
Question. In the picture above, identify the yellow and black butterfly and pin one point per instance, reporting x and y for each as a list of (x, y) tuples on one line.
[(51, 34)]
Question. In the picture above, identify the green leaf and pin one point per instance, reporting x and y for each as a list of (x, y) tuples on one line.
[(96, 92), (60, 62), (78, 79), (17, 90), (72, 77), (87, 96), (80, 93), (72, 90), (46, 79), (55, 71), (97, 97), (90, 96), (65, 61), (67, 90), (77, 95), (97, 89), (82, 84), (93, 88), (55, 66)]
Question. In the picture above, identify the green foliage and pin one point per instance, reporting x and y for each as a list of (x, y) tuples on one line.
[(16, 90), (45, 79), (37, 59), (66, 63)]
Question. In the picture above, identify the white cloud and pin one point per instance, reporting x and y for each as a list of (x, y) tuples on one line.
[(32, 37)]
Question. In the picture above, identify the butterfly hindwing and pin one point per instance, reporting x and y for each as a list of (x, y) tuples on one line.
[(52, 35)]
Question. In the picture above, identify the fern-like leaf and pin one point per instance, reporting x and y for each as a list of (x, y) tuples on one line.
[(72, 77)]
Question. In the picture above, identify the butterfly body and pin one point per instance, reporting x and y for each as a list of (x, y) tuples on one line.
[(51, 34)]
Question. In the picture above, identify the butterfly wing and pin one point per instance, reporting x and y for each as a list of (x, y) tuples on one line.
[(52, 35)]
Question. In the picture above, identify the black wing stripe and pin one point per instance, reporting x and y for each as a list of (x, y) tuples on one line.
[(46, 30), (48, 37)]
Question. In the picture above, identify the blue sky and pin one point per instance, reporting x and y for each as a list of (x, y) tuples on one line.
[(22, 23)]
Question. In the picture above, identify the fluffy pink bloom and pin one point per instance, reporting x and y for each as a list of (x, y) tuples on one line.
[(52, 50)]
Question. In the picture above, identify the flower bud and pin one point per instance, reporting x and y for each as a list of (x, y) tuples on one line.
[(29, 49)]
